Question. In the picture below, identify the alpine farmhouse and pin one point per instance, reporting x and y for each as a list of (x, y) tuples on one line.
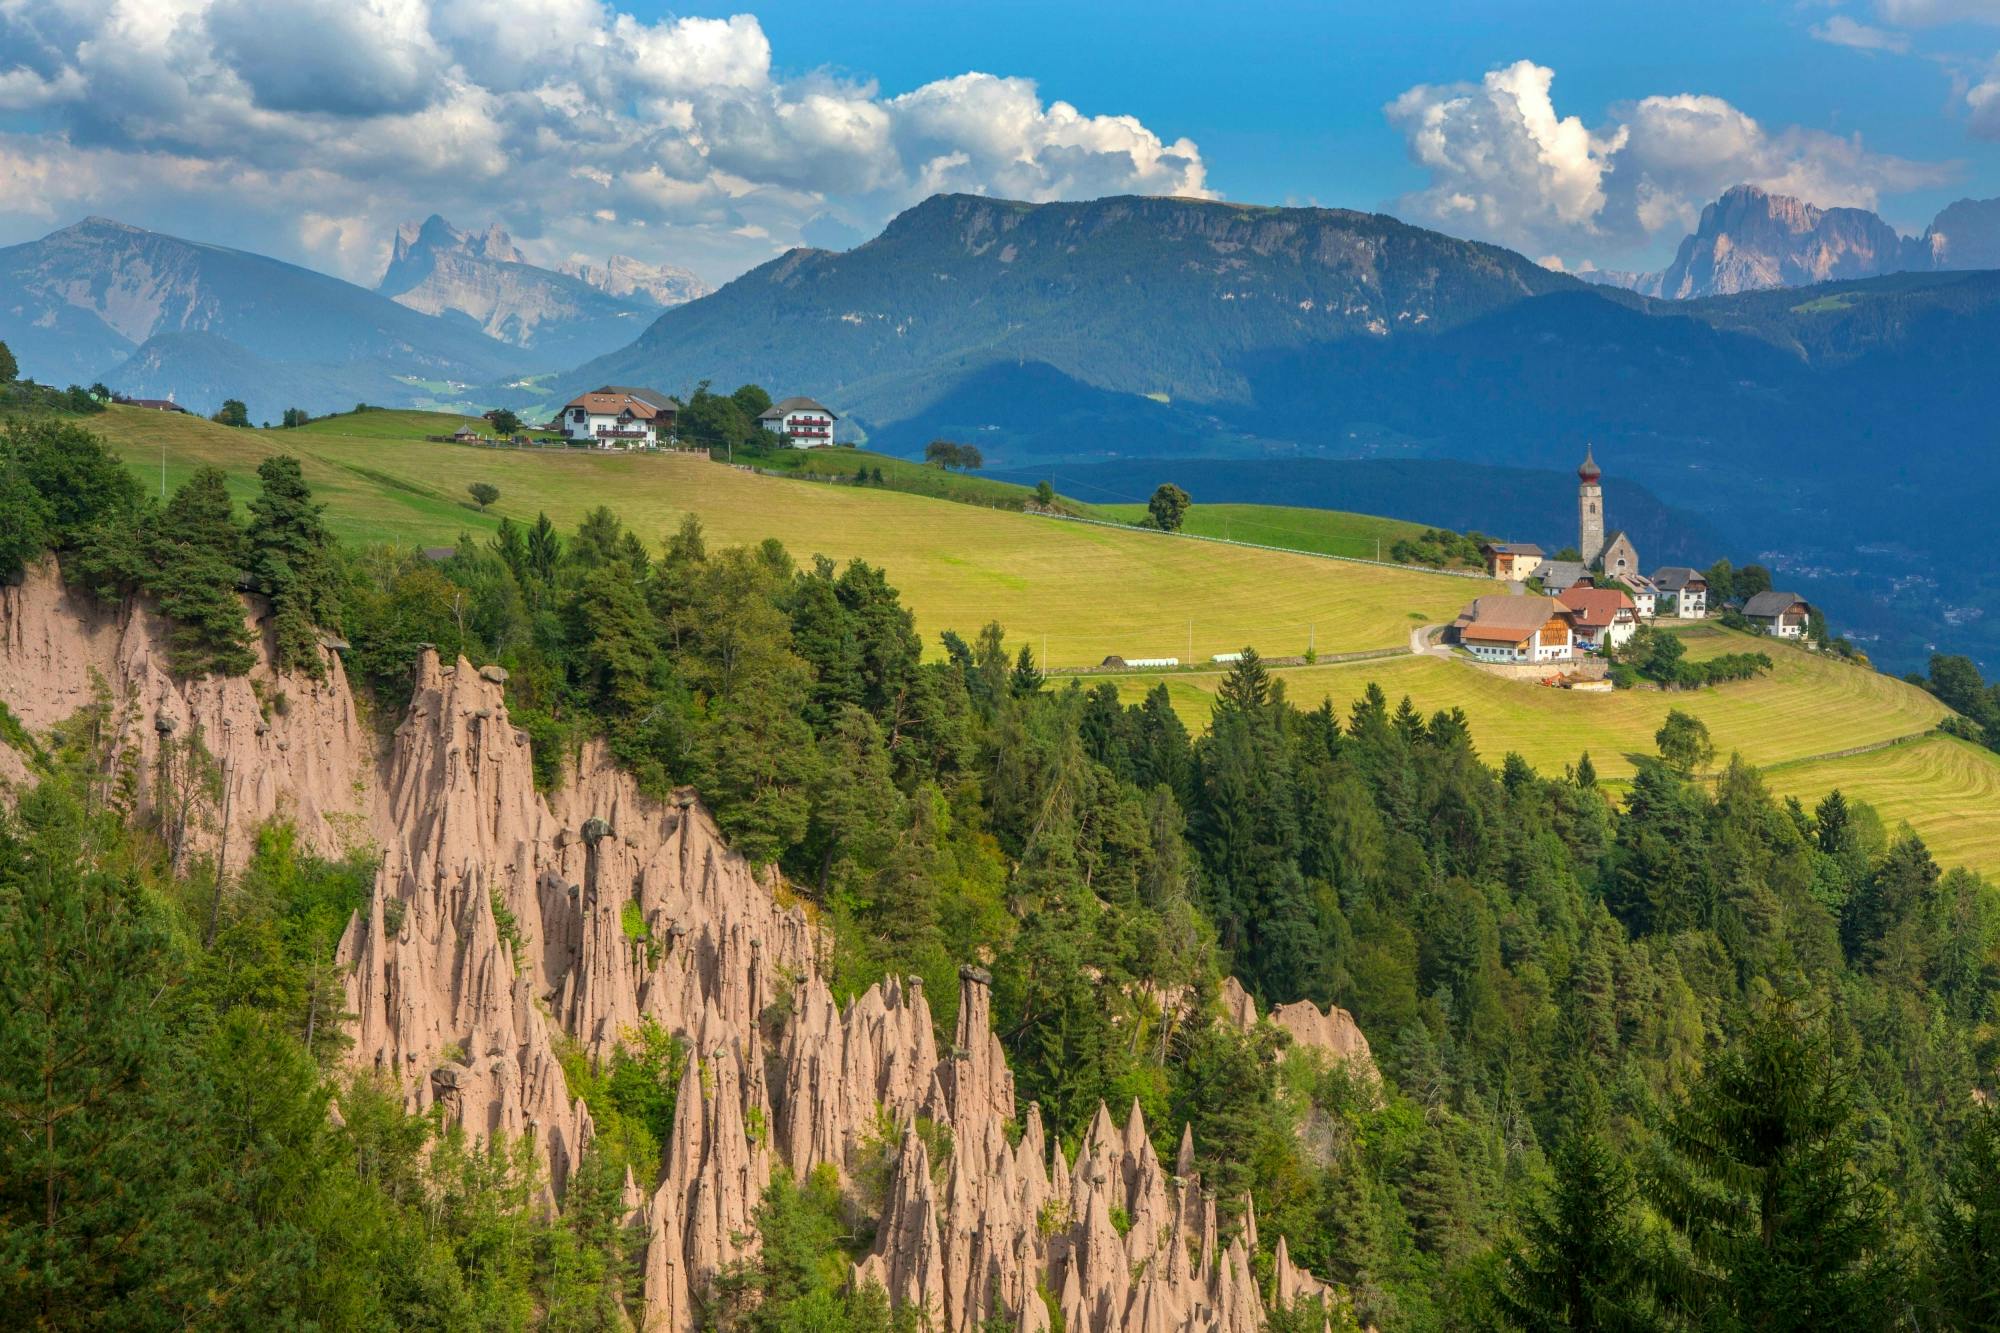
[(618, 417)]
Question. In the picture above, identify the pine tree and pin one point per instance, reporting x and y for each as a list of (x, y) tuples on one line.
[(88, 1162), (196, 553), (1576, 1265), (545, 549), (1964, 1267), (1027, 678), (1779, 1228), (291, 559)]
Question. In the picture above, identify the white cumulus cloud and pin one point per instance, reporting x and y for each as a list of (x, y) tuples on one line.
[(1840, 30), (1504, 164), (313, 126)]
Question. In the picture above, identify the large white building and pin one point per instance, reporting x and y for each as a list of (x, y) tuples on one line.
[(801, 422), (1499, 628), (617, 417)]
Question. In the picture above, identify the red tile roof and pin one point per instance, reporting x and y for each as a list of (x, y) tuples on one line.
[(1596, 607)]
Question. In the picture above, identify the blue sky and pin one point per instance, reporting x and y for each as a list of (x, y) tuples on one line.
[(1285, 99), (715, 139)]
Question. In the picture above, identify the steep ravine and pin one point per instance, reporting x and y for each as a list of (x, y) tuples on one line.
[(467, 1015)]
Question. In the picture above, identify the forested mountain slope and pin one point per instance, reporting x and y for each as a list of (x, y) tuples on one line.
[(1724, 1058)]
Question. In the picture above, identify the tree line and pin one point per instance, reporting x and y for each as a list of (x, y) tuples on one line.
[(1686, 1056)]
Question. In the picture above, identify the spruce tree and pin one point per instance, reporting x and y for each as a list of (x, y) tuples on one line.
[(1964, 1266), (88, 1158), (1778, 1227), (1576, 1265), (291, 560), (196, 554)]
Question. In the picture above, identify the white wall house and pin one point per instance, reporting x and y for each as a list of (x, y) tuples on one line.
[(1644, 594), (1683, 592), (1603, 617), (1500, 628), (1783, 615), (801, 422), (617, 417)]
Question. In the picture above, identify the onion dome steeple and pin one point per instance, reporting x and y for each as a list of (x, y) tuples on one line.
[(1588, 472)]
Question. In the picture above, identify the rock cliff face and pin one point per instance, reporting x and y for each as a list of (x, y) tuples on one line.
[(1965, 234), (1749, 240), (281, 742), (504, 924), (576, 312)]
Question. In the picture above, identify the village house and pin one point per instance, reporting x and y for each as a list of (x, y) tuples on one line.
[(1783, 615), (1644, 595), (1603, 617), (1512, 561), (800, 422), (1560, 576), (618, 417), (1683, 592), (153, 404), (1500, 628)]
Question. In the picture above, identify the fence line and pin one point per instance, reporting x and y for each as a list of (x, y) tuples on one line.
[(1212, 667)]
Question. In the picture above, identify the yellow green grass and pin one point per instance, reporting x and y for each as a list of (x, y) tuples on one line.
[(1094, 591), (1329, 531), (1807, 706), (1947, 789), (1072, 592)]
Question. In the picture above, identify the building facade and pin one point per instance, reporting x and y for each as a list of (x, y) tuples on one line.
[(1619, 558), (1512, 560), (800, 422), (1500, 628), (618, 417), (1602, 617), (1681, 592), (1782, 615)]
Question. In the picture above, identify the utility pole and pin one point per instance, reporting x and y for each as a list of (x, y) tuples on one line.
[(1190, 657)]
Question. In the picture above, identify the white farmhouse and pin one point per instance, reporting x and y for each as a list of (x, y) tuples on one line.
[(618, 417), (1783, 615), (1682, 592), (800, 422), (1500, 628), (1645, 596), (1603, 617)]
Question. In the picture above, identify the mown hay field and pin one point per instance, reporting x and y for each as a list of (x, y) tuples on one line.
[(1807, 706), (1073, 592)]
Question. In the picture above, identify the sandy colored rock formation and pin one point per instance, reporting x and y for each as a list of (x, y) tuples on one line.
[(469, 1020), (504, 925), (283, 742), (1332, 1031)]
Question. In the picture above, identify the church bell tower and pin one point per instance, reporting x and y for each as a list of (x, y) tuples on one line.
[(1589, 511)]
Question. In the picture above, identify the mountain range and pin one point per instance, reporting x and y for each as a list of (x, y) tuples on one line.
[(1829, 433), (158, 316), (564, 315), (1840, 433), (1751, 240)]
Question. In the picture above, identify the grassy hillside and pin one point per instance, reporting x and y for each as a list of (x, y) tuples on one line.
[(1808, 706), (1094, 591), (1077, 591), (1328, 531)]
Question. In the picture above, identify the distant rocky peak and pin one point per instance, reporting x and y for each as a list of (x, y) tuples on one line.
[(436, 235), (622, 275), (1751, 239), (1965, 235)]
